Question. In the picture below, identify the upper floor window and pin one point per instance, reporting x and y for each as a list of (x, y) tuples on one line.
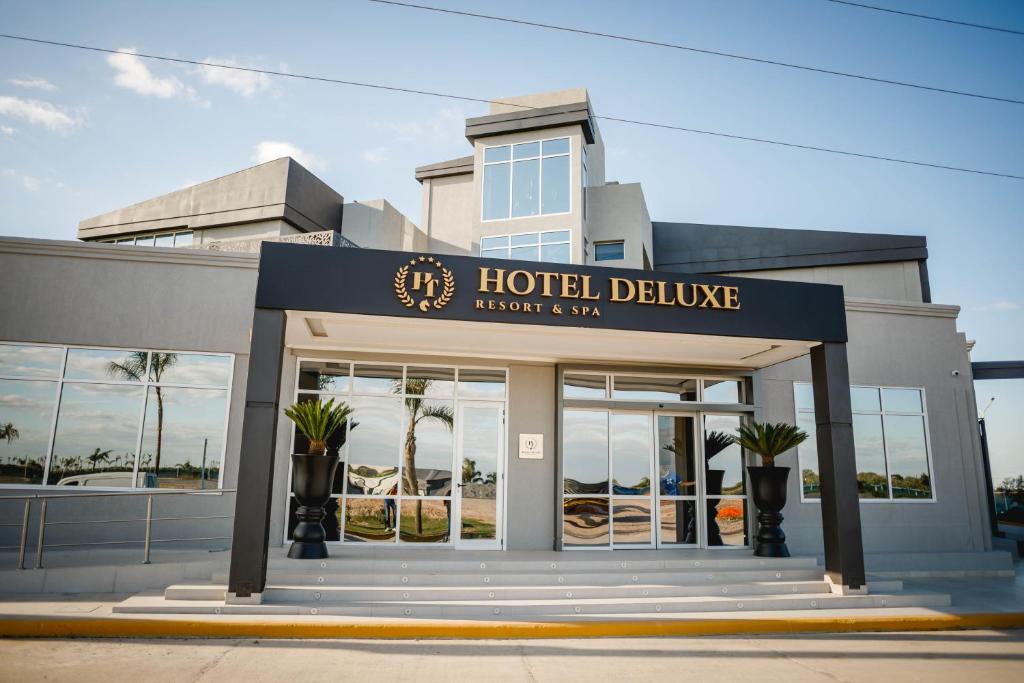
[(609, 251), (164, 239), (890, 436), (552, 246), (526, 179)]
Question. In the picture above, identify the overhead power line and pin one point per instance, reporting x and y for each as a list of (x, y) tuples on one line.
[(715, 53), (927, 16), (465, 98)]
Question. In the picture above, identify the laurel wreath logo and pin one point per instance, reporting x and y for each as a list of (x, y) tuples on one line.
[(447, 285)]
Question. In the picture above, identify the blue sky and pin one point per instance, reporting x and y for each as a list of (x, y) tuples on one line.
[(80, 135)]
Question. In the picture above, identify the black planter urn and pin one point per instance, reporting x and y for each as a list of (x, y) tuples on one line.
[(768, 488), (312, 477)]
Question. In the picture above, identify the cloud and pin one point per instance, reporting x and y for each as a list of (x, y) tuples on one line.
[(244, 83), (40, 113), (1001, 306), (31, 183), (6, 130), (34, 84), (268, 150), (377, 155), (133, 74)]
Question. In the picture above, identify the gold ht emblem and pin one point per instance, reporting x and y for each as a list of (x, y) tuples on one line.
[(435, 291)]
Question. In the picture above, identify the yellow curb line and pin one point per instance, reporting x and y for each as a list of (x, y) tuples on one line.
[(398, 630)]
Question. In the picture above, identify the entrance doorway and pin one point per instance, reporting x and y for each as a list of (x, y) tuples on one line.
[(480, 458)]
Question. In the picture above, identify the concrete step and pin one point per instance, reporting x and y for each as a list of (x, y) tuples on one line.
[(278, 593), (534, 609), (334, 577)]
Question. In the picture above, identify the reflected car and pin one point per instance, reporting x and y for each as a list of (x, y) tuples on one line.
[(146, 480)]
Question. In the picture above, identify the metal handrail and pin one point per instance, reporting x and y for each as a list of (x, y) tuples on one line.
[(148, 519)]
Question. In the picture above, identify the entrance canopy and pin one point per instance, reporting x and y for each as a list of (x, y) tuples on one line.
[(396, 302)]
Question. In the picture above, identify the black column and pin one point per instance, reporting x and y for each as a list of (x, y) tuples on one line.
[(840, 504), (256, 462)]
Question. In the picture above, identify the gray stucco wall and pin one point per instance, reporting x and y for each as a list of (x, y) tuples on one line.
[(136, 298), (895, 280)]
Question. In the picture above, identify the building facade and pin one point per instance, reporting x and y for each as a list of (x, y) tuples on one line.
[(538, 365)]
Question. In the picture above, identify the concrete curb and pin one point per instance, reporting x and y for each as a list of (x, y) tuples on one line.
[(475, 630)]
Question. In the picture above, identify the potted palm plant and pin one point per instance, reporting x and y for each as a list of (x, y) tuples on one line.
[(313, 472), (768, 482)]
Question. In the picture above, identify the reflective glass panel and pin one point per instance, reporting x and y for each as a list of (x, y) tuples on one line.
[(428, 447), (496, 191), (677, 521), (585, 522), (654, 388), (525, 188), (183, 239), (495, 253), (723, 391), (120, 366), (554, 236), (146, 241), (584, 386), (494, 242), (526, 253), (524, 240), (631, 454), (585, 451), (525, 149), (484, 384), (908, 456), (808, 452), (26, 416), (804, 396), (164, 241), (555, 197), (724, 463), (557, 146), (190, 368), (609, 251), (481, 450), (97, 433), (865, 398), (377, 379), (425, 521), (677, 472), (18, 360), (902, 400), (555, 253), (431, 382), (731, 520), (371, 520), (373, 444), (872, 481), (496, 154), (631, 521), (183, 436), (323, 376)]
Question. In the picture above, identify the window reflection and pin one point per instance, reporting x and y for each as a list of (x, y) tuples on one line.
[(585, 451), (724, 460), (631, 454), (584, 386), (26, 416), (731, 519), (908, 456), (428, 447), (677, 474), (371, 520), (190, 368), (872, 481), (723, 391), (585, 522), (654, 388), (631, 523), (808, 451), (102, 364), (482, 384), (183, 436), (677, 522), (425, 521), (18, 360), (373, 445), (324, 376)]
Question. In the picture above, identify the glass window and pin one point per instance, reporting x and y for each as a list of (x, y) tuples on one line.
[(189, 368), (483, 384), (526, 188), (526, 253), (908, 456), (609, 251), (724, 461), (17, 360), (324, 376), (902, 400), (26, 416), (872, 481), (377, 379), (103, 364), (654, 388), (182, 437), (183, 239), (527, 239), (585, 451), (427, 447), (723, 391), (555, 197), (494, 242), (731, 522), (585, 521), (436, 382), (631, 521), (371, 520), (864, 398), (631, 454), (97, 431), (526, 150), (804, 396), (677, 522), (553, 236), (808, 456), (555, 253), (550, 247), (584, 386), (373, 445), (677, 471), (425, 521), (556, 146), (164, 241), (496, 154), (496, 191), (495, 253)]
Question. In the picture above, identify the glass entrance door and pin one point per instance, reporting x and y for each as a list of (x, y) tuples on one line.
[(679, 481), (477, 521)]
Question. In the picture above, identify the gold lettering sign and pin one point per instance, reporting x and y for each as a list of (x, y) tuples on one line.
[(425, 284)]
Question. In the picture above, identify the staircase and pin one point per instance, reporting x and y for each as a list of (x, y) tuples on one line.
[(523, 585)]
